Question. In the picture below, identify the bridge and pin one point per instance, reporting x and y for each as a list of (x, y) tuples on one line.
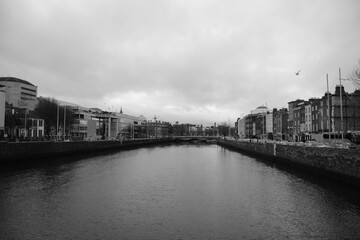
[(194, 138)]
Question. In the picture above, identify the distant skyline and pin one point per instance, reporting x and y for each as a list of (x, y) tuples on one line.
[(195, 62)]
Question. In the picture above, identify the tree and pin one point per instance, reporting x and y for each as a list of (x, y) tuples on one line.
[(12, 119), (355, 76), (47, 109)]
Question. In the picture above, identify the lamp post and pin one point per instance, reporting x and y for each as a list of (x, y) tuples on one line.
[(322, 121), (328, 106), (25, 133), (64, 132), (57, 122), (341, 107)]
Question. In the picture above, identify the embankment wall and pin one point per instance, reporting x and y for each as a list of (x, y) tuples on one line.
[(339, 164), (20, 151)]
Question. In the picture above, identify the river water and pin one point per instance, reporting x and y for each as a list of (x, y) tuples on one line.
[(173, 192)]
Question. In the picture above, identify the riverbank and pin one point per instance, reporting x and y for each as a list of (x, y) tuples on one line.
[(34, 151), (338, 164)]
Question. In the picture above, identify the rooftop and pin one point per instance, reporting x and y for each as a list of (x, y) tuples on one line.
[(12, 79)]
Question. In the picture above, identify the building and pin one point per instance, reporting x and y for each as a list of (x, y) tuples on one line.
[(2, 111), (33, 129), (95, 124), (20, 93), (350, 104), (85, 124), (308, 122), (255, 123), (325, 112), (157, 129), (241, 127), (280, 124), (269, 129), (293, 127)]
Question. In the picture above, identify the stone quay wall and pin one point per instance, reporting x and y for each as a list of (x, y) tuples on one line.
[(336, 163), (27, 151)]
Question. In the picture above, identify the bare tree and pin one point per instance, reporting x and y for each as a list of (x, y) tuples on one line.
[(355, 76)]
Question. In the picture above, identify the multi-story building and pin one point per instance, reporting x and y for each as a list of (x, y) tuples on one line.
[(255, 123), (95, 124), (34, 128), (20, 93), (159, 129), (296, 123), (241, 127), (315, 116), (269, 130), (350, 105), (292, 129), (280, 124), (250, 125), (308, 122), (324, 113)]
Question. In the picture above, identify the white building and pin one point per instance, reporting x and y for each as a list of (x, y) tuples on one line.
[(269, 123), (260, 110), (241, 128)]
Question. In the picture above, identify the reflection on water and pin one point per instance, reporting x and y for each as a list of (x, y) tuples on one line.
[(173, 192)]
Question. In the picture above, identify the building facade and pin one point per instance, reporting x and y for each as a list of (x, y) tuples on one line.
[(95, 124), (20, 93), (269, 125), (350, 105), (241, 128), (280, 124), (293, 127)]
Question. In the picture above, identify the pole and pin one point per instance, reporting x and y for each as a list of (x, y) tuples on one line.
[(328, 104), (322, 121), (64, 121), (263, 127), (341, 110), (57, 122), (25, 122)]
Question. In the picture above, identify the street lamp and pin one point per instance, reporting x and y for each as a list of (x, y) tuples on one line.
[(322, 121)]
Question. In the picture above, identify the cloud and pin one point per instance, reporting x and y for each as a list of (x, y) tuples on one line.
[(192, 60)]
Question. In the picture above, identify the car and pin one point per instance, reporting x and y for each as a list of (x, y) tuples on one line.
[(310, 143)]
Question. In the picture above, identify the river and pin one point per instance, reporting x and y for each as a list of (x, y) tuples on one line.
[(186, 191)]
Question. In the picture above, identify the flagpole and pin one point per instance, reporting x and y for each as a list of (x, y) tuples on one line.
[(328, 103), (64, 121)]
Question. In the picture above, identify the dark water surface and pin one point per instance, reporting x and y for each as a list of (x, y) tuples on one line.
[(173, 192)]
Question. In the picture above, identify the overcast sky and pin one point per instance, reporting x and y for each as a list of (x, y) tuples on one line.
[(193, 61)]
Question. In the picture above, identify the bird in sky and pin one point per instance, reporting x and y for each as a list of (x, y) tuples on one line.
[(297, 73)]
